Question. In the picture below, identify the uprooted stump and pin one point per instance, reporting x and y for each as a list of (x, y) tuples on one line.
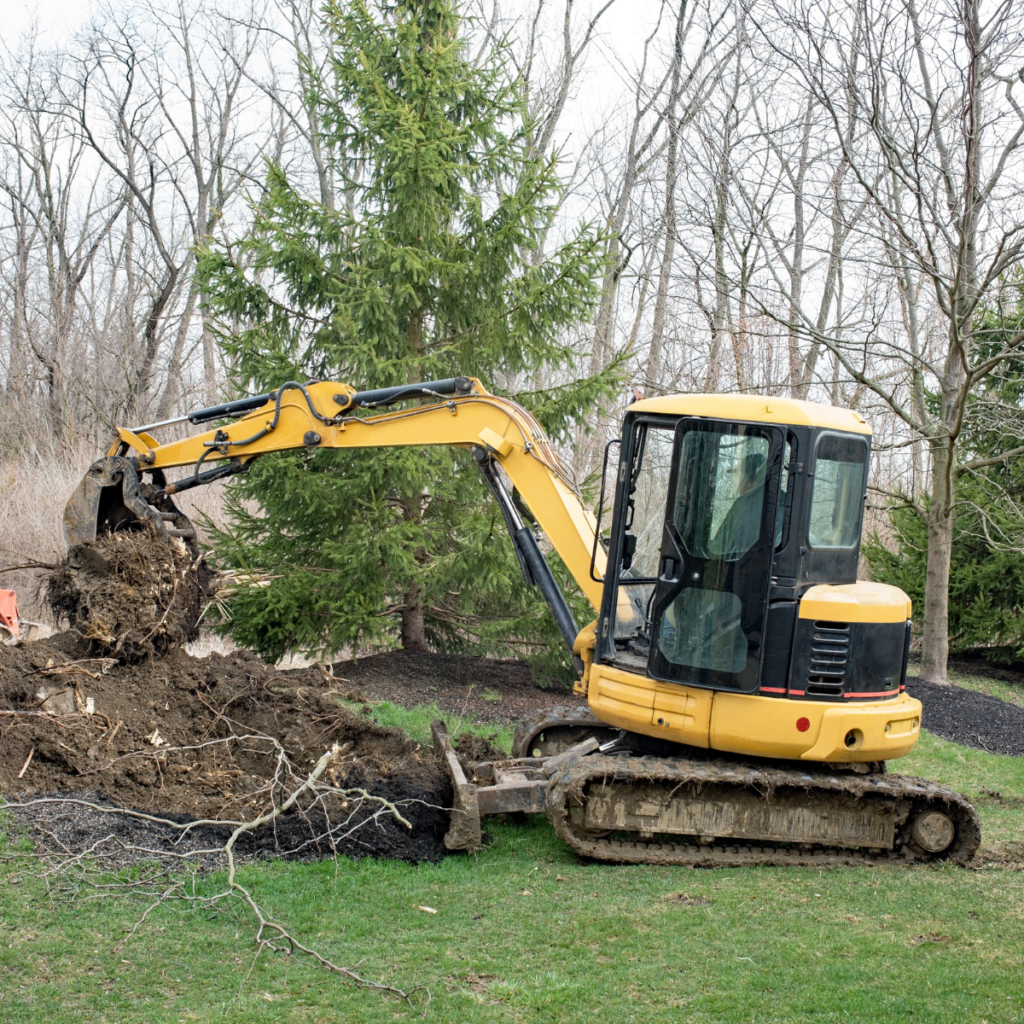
[(219, 739), (131, 594)]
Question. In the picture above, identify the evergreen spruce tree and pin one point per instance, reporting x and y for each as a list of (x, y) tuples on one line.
[(424, 268)]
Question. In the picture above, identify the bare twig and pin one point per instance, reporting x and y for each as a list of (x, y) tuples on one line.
[(284, 790), (76, 666)]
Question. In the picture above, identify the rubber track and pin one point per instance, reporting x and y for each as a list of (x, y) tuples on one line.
[(743, 853), (531, 727)]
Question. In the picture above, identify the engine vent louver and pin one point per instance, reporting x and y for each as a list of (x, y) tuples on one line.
[(826, 673)]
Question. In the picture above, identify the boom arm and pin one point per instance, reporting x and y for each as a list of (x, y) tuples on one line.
[(321, 415)]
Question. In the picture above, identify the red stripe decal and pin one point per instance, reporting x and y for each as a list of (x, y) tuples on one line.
[(877, 693), (797, 693), (773, 689)]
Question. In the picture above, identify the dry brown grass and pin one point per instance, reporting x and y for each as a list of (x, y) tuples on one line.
[(34, 488)]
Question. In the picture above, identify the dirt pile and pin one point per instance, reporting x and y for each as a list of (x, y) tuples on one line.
[(131, 594), (471, 748), (213, 738)]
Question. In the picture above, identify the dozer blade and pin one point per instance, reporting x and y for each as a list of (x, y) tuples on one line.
[(106, 500)]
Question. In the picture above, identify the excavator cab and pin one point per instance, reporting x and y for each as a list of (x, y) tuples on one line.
[(732, 623), (732, 568)]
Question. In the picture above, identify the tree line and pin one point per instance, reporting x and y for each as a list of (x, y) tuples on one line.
[(814, 199)]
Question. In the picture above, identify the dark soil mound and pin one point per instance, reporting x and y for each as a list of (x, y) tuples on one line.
[(219, 737), (971, 718), (132, 594), (472, 748), (485, 689)]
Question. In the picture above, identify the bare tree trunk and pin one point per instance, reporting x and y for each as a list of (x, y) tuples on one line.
[(740, 335), (172, 388), (841, 224), (720, 317), (18, 345), (940, 520), (668, 220), (212, 388), (654, 355), (721, 325), (796, 266)]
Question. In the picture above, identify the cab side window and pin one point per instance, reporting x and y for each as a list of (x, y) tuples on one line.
[(836, 500), (720, 493)]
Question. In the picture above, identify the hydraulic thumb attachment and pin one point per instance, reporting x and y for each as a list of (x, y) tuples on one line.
[(111, 497)]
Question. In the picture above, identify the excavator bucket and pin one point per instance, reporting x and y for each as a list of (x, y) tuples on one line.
[(107, 499)]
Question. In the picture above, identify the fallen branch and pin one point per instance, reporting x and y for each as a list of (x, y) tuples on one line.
[(285, 791)]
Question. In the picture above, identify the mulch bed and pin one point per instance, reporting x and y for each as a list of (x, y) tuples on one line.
[(974, 663), (479, 689), (970, 718)]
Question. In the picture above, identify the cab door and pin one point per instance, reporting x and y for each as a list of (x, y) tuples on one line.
[(709, 604)]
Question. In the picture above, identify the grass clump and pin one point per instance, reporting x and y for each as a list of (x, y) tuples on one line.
[(416, 722)]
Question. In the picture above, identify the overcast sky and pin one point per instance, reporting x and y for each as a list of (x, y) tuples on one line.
[(622, 28), (55, 17)]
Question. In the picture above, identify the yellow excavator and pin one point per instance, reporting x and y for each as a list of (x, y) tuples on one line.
[(744, 691)]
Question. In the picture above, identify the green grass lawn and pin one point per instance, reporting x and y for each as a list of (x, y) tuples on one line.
[(523, 932), (416, 721)]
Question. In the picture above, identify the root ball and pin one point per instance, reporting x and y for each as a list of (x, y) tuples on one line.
[(132, 594)]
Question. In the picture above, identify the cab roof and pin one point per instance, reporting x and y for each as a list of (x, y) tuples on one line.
[(757, 409)]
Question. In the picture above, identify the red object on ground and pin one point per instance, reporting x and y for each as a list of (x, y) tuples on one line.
[(9, 610)]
